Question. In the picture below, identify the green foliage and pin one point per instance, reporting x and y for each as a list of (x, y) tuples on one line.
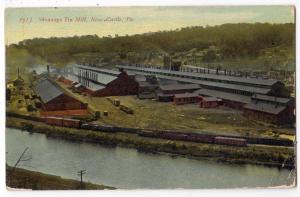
[(233, 40)]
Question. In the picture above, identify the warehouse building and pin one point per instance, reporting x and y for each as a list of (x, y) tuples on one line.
[(209, 102), (231, 100), (260, 99), (270, 109), (101, 82), (185, 98), (53, 98), (231, 84), (165, 93), (178, 88), (146, 86)]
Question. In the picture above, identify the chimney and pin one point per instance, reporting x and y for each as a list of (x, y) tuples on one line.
[(18, 72)]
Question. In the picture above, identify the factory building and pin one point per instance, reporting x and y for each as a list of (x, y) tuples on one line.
[(185, 98), (270, 109), (53, 98), (165, 93), (221, 82), (178, 88), (146, 86), (101, 82), (231, 100), (209, 102), (267, 100)]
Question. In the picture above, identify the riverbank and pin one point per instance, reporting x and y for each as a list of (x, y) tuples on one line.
[(263, 155), (26, 179)]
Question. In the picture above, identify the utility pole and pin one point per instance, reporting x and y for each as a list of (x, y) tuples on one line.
[(21, 159), (81, 173)]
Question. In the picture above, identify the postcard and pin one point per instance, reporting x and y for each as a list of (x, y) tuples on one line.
[(150, 97)]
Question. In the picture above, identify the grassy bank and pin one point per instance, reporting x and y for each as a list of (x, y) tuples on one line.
[(266, 155), (26, 179)]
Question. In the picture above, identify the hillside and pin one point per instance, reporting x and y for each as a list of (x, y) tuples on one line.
[(259, 46)]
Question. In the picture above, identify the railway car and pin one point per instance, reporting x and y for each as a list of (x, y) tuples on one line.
[(200, 138), (73, 123), (88, 126), (56, 121), (230, 141), (173, 135), (148, 133), (271, 141), (106, 128)]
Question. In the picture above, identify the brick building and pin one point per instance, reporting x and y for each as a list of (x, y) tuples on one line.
[(209, 102), (53, 98), (185, 98), (101, 82)]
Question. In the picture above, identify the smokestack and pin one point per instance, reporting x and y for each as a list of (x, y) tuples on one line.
[(18, 72)]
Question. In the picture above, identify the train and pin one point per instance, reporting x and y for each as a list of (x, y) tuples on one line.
[(168, 134), (194, 137)]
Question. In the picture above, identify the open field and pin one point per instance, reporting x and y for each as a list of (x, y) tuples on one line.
[(160, 115), (26, 179)]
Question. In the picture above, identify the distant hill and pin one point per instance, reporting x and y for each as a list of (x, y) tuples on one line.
[(262, 44)]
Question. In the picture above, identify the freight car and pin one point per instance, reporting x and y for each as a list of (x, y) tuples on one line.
[(230, 141), (63, 122), (193, 137), (167, 134), (200, 138), (73, 123), (270, 141), (96, 127), (56, 121), (173, 135)]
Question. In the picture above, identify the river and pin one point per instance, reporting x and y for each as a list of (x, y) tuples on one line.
[(129, 169)]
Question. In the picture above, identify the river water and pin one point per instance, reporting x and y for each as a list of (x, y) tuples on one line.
[(129, 169)]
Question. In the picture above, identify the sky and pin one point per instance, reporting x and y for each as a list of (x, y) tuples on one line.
[(27, 23)]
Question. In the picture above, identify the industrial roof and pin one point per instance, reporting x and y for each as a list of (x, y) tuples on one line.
[(224, 95), (104, 79), (179, 87), (264, 107), (162, 81), (47, 90), (146, 84), (94, 86), (219, 85), (185, 95), (77, 85), (210, 98), (98, 70), (271, 98), (211, 83), (140, 78), (245, 80)]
